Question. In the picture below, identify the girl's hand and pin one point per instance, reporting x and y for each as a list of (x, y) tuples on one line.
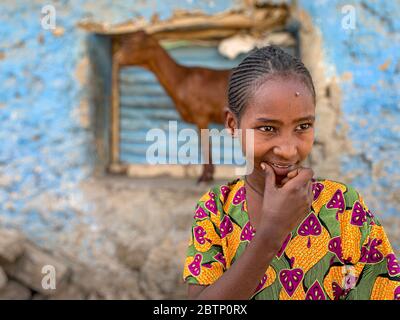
[(284, 207), (289, 176)]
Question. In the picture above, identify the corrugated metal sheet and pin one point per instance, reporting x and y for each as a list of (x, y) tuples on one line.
[(144, 105)]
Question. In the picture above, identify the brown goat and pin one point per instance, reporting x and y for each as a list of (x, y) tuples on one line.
[(199, 94)]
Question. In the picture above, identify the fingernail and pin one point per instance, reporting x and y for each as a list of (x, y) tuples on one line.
[(262, 165)]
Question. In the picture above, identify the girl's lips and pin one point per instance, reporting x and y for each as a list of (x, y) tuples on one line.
[(282, 171)]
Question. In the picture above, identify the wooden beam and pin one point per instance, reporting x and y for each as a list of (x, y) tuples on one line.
[(118, 168), (226, 23), (115, 121)]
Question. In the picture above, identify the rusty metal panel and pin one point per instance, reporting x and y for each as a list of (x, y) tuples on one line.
[(144, 105)]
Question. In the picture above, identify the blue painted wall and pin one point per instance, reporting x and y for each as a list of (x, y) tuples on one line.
[(370, 54), (44, 148)]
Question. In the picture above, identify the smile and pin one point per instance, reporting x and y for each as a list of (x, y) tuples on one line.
[(280, 166), (282, 170)]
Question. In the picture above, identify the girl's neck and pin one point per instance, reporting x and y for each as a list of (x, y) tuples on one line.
[(253, 186), (254, 201), (256, 181)]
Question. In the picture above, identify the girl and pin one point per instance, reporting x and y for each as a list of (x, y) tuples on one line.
[(278, 233)]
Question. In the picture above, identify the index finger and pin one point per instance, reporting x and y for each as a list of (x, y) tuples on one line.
[(301, 179), (292, 173)]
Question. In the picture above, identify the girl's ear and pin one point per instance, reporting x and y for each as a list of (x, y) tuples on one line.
[(231, 122)]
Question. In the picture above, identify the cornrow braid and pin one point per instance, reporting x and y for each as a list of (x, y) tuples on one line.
[(256, 68)]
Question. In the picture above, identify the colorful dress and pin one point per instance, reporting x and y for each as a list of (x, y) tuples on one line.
[(339, 251)]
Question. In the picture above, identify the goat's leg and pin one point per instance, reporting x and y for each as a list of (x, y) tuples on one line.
[(208, 168)]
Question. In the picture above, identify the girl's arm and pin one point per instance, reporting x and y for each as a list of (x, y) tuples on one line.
[(277, 220), (242, 278)]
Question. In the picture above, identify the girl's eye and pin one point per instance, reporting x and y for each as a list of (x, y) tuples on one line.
[(305, 126), (270, 129), (266, 128)]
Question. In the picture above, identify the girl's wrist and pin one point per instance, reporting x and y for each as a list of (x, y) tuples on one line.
[(272, 233), (267, 242)]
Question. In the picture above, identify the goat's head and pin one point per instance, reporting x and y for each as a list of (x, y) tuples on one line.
[(136, 48)]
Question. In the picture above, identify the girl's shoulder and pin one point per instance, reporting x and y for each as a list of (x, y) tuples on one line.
[(220, 199), (327, 194), (226, 192), (324, 189), (340, 196), (335, 194)]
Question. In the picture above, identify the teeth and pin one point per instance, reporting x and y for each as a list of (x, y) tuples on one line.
[(276, 165)]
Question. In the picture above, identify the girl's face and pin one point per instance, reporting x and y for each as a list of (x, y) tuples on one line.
[(282, 113)]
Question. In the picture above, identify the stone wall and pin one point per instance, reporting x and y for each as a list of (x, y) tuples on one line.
[(133, 248), (23, 268)]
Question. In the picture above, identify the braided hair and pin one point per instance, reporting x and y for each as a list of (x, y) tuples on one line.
[(262, 64)]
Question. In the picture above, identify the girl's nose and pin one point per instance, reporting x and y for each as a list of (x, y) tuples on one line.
[(287, 151)]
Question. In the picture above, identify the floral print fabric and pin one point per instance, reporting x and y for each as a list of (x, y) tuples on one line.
[(339, 251)]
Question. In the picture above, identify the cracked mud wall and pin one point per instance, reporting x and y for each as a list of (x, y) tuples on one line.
[(325, 156), (361, 66), (334, 142)]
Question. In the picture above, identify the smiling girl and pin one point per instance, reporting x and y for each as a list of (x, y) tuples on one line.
[(280, 233)]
